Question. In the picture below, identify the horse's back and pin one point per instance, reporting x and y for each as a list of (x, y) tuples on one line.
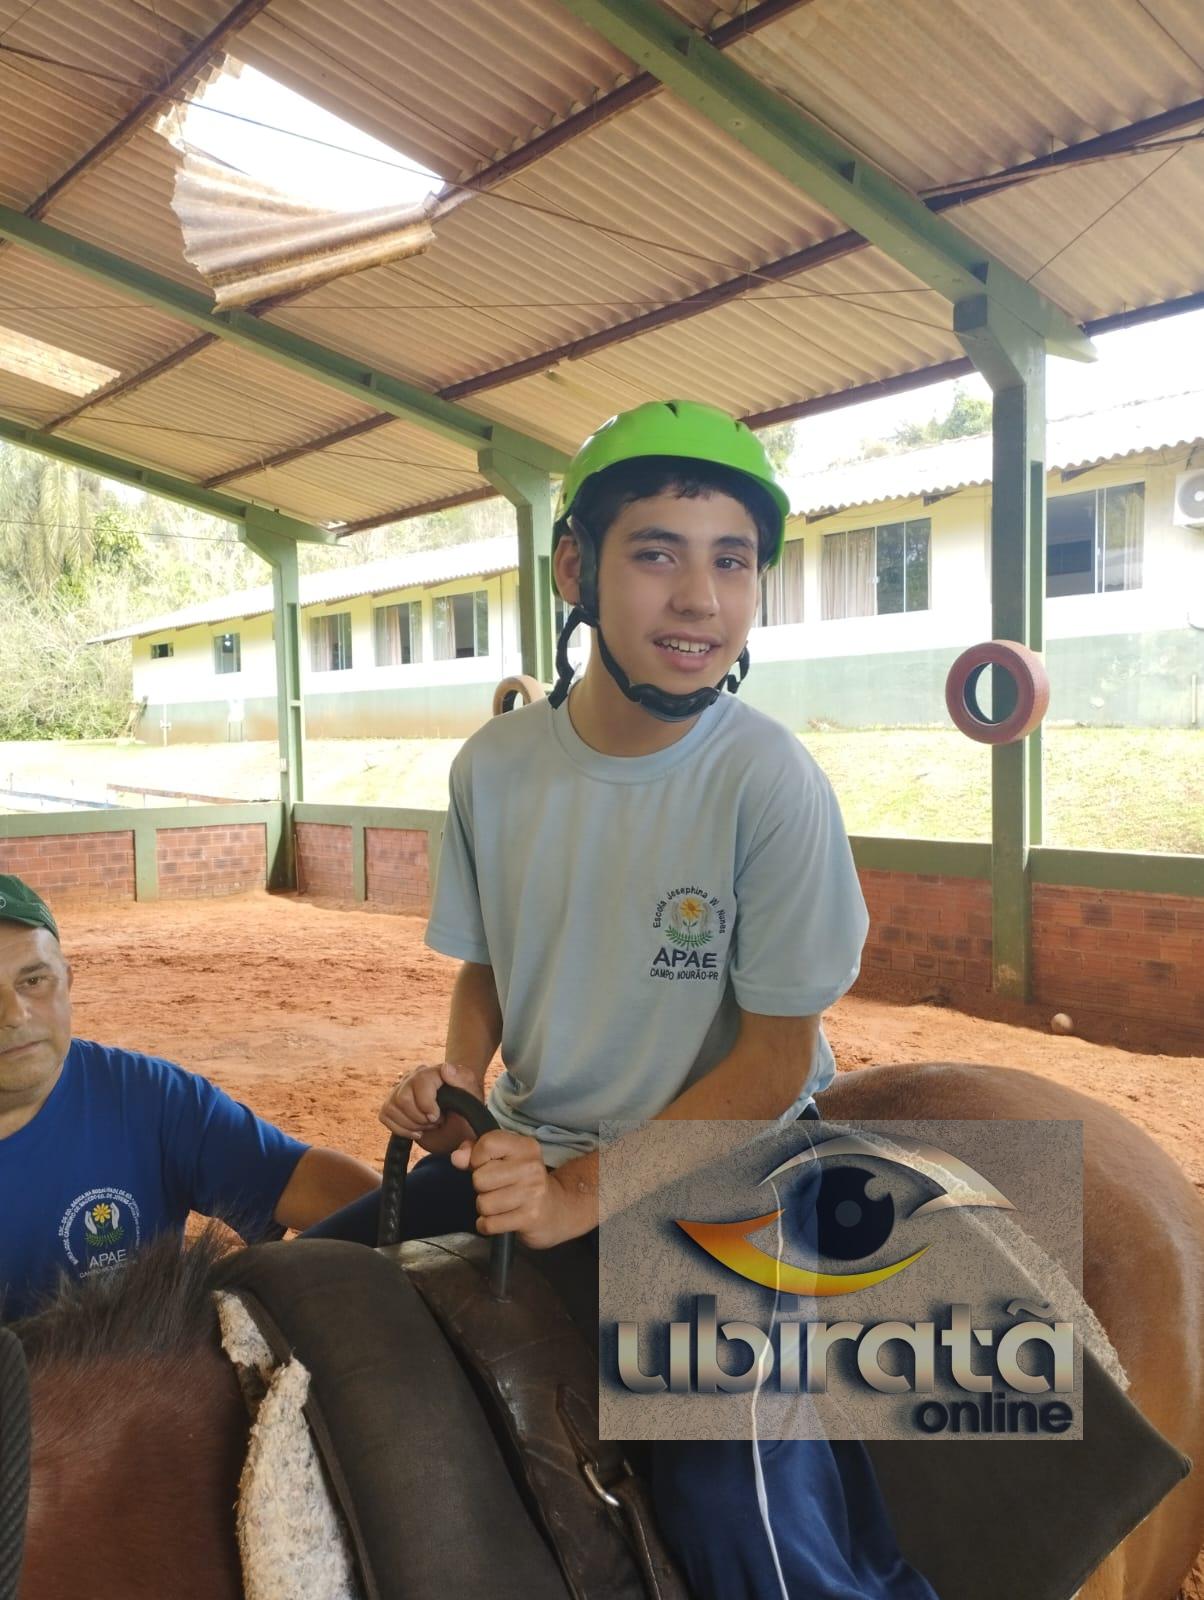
[(1143, 1262)]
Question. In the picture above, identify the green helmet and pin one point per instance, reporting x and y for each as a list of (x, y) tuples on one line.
[(683, 428)]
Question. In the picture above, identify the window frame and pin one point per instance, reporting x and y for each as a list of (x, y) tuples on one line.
[(444, 624), (219, 670), (773, 587), (906, 526), (316, 623), (1099, 499), (413, 610)]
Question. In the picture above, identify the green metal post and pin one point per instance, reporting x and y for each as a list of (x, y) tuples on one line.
[(281, 555), (1012, 359), (529, 491)]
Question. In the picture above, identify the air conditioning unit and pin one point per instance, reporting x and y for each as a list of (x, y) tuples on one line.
[(1189, 499)]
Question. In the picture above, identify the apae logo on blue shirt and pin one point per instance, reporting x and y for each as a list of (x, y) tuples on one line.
[(100, 1230)]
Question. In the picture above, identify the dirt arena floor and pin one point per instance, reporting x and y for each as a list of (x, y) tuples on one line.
[(308, 1013)]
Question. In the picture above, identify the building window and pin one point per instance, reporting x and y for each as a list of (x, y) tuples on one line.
[(227, 653), (782, 588), (160, 652), (330, 642), (398, 634), (870, 572), (461, 625), (1093, 541)]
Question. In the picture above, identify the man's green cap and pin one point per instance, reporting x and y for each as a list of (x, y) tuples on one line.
[(19, 903)]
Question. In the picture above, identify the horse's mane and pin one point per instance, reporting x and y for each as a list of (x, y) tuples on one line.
[(160, 1303)]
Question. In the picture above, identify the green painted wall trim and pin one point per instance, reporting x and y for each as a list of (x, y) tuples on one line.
[(146, 861), (1116, 869), (349, 816), (121, 819), (944, 858)]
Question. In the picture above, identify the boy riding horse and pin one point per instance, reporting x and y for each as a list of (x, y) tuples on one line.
[(642, 800)]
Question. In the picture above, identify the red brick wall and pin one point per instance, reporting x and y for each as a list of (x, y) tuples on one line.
[(76, 866), (218, 859), (1133, 955), (397, 874), (929, 929), (324, 860)]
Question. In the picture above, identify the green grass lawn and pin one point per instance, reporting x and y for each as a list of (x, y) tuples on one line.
[(1105, 788)]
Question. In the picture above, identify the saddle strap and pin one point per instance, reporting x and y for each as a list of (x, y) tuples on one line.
[(533, 1370), (14, 1461), (661, 1578)]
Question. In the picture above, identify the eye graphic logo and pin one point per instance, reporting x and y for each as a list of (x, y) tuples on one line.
[(841, 1222)]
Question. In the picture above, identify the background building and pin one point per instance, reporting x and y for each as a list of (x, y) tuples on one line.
[(884, 579)]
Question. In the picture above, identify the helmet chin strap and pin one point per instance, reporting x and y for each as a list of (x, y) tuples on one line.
[(657, 702)]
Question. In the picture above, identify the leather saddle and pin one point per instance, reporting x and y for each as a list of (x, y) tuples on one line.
[(453, 1399)]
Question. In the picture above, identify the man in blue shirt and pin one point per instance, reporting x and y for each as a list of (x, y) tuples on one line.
[(101, 1148)]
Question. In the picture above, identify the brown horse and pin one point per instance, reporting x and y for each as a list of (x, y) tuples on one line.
[(1143, 1275), (140, 1429)]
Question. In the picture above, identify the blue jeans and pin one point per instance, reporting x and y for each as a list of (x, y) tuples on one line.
[(824, 1535)]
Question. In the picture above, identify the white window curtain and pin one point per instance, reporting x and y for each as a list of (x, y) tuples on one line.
[(398, 631), (1123, 537), (782, 588), (861, 600), (445, 649), (833, 576), (330, 643)]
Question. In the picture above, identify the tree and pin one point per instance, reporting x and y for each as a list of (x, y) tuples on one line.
[(46, 515), (779, 444), (966, 415), (116, 546)]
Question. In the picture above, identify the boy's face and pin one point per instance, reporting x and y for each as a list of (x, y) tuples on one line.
[(678, 588)]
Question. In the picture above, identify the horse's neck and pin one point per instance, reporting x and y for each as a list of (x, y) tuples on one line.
[(134, 1480)]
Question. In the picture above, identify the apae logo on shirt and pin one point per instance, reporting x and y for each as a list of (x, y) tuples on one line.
[(688, 920), (100, 1230)]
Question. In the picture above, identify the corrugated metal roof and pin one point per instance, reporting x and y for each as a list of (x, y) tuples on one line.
[(934, 93), (98, 59), (651, 205), (1168, 422), (482, 559)]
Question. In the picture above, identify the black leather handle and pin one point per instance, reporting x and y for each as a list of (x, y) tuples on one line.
[(452, 1102)]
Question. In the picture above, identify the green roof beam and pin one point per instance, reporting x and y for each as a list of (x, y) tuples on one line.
[(331, 367), (823, 166), (228, 507)]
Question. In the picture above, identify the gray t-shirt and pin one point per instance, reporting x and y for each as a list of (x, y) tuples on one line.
[(630, 905)]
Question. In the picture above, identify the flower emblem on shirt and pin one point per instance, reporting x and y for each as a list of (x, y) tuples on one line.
[(688, 923), (102, 1212)]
